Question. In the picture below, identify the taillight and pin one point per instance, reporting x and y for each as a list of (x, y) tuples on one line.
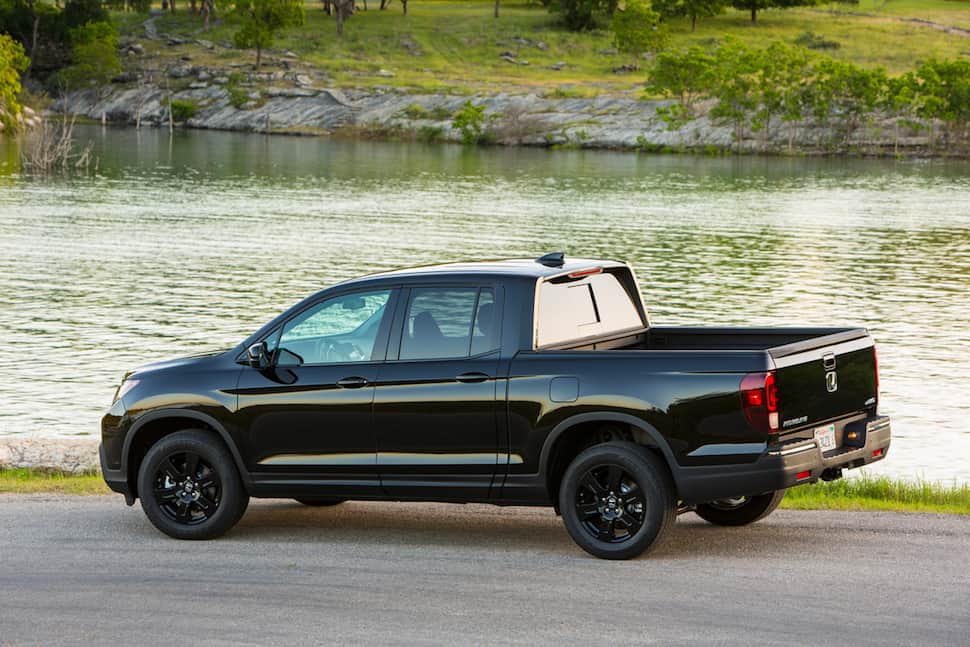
[(759, 400)]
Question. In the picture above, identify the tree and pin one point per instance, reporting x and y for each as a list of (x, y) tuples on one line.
[(735, 67), (94, 58), (754, 6), (262, 19), (687, 76), (580, 15), (13, 61), (943, 88), (343, 9), (846, 92), (637, 29), (779, 87), (693, 9)]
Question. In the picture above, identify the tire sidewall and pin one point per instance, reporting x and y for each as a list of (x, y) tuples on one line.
[(644, 469), (233, 498)]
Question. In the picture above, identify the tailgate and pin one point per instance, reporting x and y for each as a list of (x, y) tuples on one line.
[(826, 377)]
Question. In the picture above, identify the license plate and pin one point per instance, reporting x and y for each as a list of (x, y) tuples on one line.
[(825, 437)]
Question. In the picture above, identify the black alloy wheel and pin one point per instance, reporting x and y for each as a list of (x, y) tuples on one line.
[(187, 489), (617, 500), (741, 510), (189, 486), (609, 504)]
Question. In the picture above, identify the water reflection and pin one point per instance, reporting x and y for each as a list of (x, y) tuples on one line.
[(187, 243)]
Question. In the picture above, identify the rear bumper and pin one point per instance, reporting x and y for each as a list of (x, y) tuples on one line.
[(782, 466)]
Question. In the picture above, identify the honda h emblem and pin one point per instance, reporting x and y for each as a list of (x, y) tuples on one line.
[(831, 382)]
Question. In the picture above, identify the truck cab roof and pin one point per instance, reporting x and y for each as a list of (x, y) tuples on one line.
[(508, 268)]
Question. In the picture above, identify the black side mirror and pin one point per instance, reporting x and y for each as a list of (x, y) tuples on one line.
[(258, 355)]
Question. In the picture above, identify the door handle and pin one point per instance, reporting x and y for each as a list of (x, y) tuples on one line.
[(352, 382), (471, 378)]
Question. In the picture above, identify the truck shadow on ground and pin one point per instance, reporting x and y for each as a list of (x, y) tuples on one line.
[(485, 528)]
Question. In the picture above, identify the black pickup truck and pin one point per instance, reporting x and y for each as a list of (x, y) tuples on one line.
[(518, 382)]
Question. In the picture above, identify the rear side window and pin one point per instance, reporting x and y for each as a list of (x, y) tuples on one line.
[(449, 323), (595, 306)]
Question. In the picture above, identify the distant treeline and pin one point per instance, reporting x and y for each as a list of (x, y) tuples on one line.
[(757, 89)]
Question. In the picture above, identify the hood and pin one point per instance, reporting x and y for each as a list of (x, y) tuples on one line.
[(177, 362)]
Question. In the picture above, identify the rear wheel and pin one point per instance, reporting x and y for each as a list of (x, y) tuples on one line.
[(319, 502), (189, 486), (617, 500), (740, 511)]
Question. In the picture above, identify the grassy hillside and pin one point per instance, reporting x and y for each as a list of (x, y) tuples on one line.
[(455, 46)]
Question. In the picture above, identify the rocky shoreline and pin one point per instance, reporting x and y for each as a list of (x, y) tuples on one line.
[(291, 103), (55, 455)]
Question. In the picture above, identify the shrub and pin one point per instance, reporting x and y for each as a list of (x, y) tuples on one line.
[(414, 111), (430, 134), (183, 109), (469, 121), (811, 40)]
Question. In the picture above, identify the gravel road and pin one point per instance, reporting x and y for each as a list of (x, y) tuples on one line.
[(90, 570)]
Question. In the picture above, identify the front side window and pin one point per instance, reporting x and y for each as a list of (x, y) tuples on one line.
[(336, 330), (449, 323)]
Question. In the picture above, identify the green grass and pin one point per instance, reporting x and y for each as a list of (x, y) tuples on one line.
[(454, 46), (867, 493), (24, 481), (880, 493)]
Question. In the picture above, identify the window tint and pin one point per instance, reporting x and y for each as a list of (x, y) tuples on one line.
[(341, 329), (595, 306), (449, 322), (486, 334)]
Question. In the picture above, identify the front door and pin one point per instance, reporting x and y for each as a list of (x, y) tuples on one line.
[(308, 419), (436, 405)]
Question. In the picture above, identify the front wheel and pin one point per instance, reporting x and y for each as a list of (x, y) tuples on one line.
[(617, 500), (189, 486), (740, 511)]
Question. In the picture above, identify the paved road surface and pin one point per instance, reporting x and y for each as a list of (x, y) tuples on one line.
[(89, 570)]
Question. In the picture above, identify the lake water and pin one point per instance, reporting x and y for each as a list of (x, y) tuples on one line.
[(189, 243)]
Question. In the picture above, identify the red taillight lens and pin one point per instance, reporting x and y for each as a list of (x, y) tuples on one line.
[(759, 400)]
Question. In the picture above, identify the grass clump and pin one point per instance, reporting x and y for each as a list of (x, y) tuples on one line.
[(26, 481), (880, 493)]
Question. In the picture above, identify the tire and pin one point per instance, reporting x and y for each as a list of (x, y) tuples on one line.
[(189, 486), (617, 500), (319, 502), (740, 511)]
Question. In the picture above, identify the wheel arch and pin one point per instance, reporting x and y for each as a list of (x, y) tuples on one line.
[(566, 433), (153, 426)]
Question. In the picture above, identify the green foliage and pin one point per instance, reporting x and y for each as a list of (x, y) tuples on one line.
[(414, 111), (430, 134), (637, 29), (811, 40), (943, 88), (754, 6), (13, 61), (469, 121), (880, 493), (81, 12), (262, 19), (686, 76), (183, 109), (94, 56), (692, 9), (581, 15)]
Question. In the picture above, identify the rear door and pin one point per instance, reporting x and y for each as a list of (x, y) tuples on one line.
[(819, 381), (436, 404)]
